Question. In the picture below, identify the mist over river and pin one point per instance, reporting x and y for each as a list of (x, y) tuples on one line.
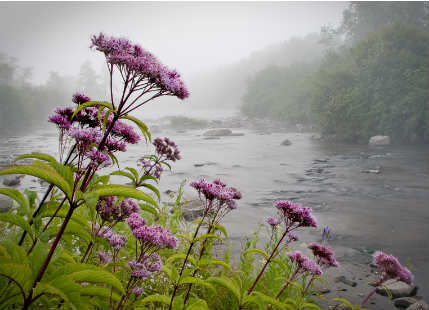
[(388, 211)]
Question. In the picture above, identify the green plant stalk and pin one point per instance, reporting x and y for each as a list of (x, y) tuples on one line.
[(266, 263), (176, 285)]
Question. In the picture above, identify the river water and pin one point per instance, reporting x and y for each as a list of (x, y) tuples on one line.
[(388, 211)]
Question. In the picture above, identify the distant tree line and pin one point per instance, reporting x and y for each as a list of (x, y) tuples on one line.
[(373, 79), (24, 106)]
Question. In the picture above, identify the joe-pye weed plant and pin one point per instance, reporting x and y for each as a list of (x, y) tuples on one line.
[(91, 244)]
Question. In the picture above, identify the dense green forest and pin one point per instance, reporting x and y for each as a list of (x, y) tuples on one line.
[(24, 105), (373, 79)]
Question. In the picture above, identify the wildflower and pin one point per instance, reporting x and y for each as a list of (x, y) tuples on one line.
[(117, 241), (154, 237), (141, 273), (273, 221), (167, 149), (104, 257), (135, 221), (126, 132), (79, 98), (296, 213), (324, 254), (326, 234), (390, 268), (137, 291), (304, 264), (98, 158)]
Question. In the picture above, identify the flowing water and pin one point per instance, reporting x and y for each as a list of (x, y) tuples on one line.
[(366, 211)]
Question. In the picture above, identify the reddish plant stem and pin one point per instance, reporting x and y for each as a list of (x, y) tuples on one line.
[(287, 283), (266, 263), (372, 292), (176, 285)]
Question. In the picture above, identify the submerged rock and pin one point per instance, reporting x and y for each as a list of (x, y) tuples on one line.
[(404, 302), (420, 305), (379, 140), (13, 181), (346, 281), (217, 132), (286, 142), (5, 204), (397, 289), (375, 171)]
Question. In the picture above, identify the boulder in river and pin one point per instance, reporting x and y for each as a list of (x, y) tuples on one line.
[(5, 204), (404, 302), (420, 305), (13, 181), (379, 140), (218, 132), (397, 289), (286, 142)]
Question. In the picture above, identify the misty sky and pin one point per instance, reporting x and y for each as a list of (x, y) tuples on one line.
[(188, 36)]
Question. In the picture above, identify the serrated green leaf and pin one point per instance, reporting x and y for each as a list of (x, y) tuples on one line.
[(97, 276), (41, 156), (124, 174), (209, 262), (228, 284), (153, 189), (256, 251), (249, 300), (17, 196), (100, 292), (17, 221), (155, 299), (197, 304), (148, 208), (134, 172), (142, 126), (37, 257), (42, 172), (92, 104), (181, 256), (270, 300), (209, 236), (198, 281), (147, 177), (19, 273), (125, 191)]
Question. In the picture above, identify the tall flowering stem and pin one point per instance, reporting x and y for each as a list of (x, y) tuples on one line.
[(294, 216)]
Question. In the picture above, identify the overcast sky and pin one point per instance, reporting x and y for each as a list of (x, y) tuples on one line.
[(188, 36)]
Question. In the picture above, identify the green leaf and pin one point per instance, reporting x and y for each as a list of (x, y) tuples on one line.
[(228, 284), (148, 208), (62, 214), (256, 251), (222, 229), (100, 292), (153, 189), (198, 281), (209, 236), (124, 174), (17, 221), (97, 276), (125, 191), (37, 257), (64, 171), (41, 156), (249, 300), (142, 126), (181, 256), (308, 305), (18, 272), (45, 173), (147, 177), (92, 104), (197, 304), (155, 299), (134, 172), (64, 288), (271, 300), (17, 196), (210, 262)]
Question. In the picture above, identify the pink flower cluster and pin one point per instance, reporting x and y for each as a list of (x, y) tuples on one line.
[(151, 238), (79, 98), (217, 191), (304, 264), (151, 168), (110, 210), (295, 213), (116, 241), (167, 149), (324, 255), (273, 221), (146, 265), (390, 268), (133, 59), (104, 257)]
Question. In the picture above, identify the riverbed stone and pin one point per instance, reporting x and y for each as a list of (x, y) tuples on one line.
[(5, 204), (286, 142), (217, 132), (420, 305), (12, 181), (346, 281), (397, 289), (404, 302), (379, 140)]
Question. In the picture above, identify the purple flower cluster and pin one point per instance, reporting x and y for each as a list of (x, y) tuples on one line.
[(167, 149), (217, 191), (104, 257), (62, 117), (133, 59), (116, 241), (137, 291), (324, 255), (273, 221), (79, 98), (304, 264), (390, 268), (154, 237), (296, 213), (110, 210), (151, 168), (146, 265), (98, 158)]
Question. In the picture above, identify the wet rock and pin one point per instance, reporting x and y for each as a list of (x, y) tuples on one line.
[(13, 181), (346, 281), (236, 134), (211, 138), (192, 209), (375, 171), (318, 160), (379, 140), (404, 302), (218, 132), (397, 289), (5, 204), (198, 165), (286, 142), (420, 305), (316, 136)]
